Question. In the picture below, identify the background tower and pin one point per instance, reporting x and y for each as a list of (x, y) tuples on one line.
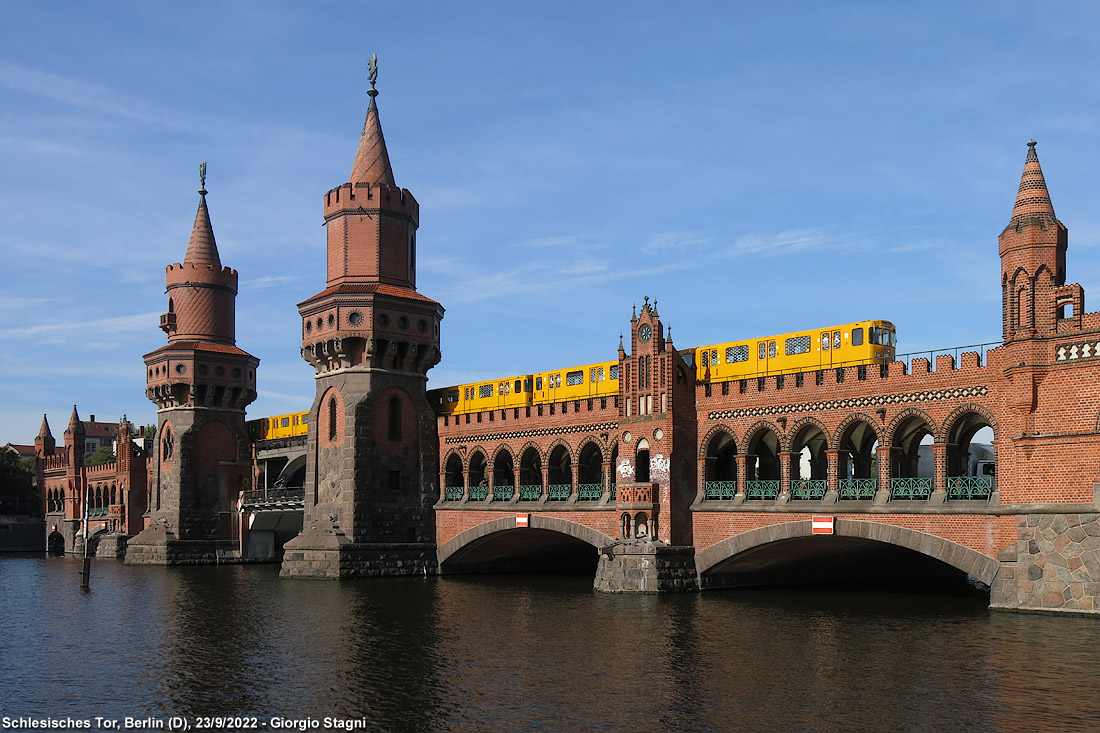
[(201, 383), (1036, 301), (372, 451)]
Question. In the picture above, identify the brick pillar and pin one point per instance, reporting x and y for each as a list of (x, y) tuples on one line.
[(741, 460), (832, 473), (884, 454), (545, 483), (465, 484), (606, 468), (573, 495), (939, 472)]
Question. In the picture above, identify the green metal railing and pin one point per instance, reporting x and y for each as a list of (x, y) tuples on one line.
[(910, 488), (559, 492), (504, 492), (589, 492), (856, 488), (719, 490), (530, 492), (613, 492), (453, 493), (479, 493), (757, 489), (809, 488), (969, 487)]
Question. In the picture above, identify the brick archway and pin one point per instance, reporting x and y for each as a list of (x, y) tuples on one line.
[(982, 567), (475, 535)]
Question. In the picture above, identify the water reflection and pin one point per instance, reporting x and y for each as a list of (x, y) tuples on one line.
[(520, 653)]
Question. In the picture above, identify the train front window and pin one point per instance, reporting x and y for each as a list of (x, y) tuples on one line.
[(882, 336), (452, 395)]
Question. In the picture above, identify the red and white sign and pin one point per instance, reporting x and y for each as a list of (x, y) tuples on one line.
[(522, 520), (822, 525)]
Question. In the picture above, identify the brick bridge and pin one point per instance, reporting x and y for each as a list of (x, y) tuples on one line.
[(679, 484)]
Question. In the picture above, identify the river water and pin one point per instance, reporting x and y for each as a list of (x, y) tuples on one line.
[(506, 653)]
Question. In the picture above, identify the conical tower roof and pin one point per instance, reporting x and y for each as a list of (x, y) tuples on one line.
[(1033, 199), (372, 160), (75, 425), (202, 249), (44, 430)]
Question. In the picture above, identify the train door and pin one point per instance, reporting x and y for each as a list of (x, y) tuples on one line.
[(765, 352)]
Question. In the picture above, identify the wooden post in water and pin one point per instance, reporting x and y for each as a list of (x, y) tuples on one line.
[(86, 569)]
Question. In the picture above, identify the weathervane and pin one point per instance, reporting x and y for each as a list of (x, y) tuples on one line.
[(372, 67), (202, 178)]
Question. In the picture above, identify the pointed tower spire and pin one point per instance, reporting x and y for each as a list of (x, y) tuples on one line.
[(202, 249), (75, 425), (44, 430), (372, 161), (1033, 199)]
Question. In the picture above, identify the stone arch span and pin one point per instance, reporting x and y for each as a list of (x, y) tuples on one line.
[(982, 567), (457, 546)]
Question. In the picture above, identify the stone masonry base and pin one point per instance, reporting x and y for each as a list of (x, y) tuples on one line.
[(637, 566), (1053, 566), (326, 554)]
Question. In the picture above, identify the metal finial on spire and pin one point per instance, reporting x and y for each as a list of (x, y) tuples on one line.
[(202, 178), (1031, 143), (372, 68)]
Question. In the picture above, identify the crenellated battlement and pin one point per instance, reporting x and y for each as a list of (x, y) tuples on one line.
[(350, 197)]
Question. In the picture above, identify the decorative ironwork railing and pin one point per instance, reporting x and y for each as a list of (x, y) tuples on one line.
[(589, 492), (969, 487), (757, 489), (559, 492), (809, 488), (719, 490), (614, 492), (282, 495), (479, 493), (503, 492), (910, 488), (530, 492), (856, 488), (452, 493)]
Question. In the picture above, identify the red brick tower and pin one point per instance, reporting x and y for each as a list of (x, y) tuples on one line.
[(201, 383), (372, 449), (1036, 300), (44, 444), (657, 428)]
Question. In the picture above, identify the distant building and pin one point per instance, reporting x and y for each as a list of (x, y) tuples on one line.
[(115, 492)]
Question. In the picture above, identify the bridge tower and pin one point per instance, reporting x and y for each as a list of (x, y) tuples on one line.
[(201, 383), (372, 448), (1036, 301)]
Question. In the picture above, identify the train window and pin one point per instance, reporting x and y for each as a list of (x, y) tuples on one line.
[(485, 390), (836, 339), (771, 349), (557, 380), (797, 345), (613, 372), (452, 395), (599, 374), (519, 386), (704, 358), (825, 341), (538, 382), (737, 353), (285, 422), (762, 348), (305, 418), (592, 374), (527, 384), (572, 379), (857, 337)]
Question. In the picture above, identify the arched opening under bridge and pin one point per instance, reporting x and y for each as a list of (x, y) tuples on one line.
[(862, 555), (547, 545)]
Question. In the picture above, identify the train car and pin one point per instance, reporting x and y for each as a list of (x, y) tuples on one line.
[(850, 344), (279, 426), (577, 383), (495, 394)]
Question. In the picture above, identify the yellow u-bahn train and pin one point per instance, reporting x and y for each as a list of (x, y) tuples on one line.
[(279, 426), (849, 344)]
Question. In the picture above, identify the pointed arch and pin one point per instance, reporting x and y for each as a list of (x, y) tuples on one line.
[(949, 423), (719, 428), (904, 416)]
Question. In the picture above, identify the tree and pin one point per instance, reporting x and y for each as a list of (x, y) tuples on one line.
[(102, 454), (16, 476)]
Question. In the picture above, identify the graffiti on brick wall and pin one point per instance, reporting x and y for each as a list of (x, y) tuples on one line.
[(625, 470), (658, 467)]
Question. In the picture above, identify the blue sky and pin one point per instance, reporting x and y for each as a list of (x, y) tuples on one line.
[(758, 168)]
